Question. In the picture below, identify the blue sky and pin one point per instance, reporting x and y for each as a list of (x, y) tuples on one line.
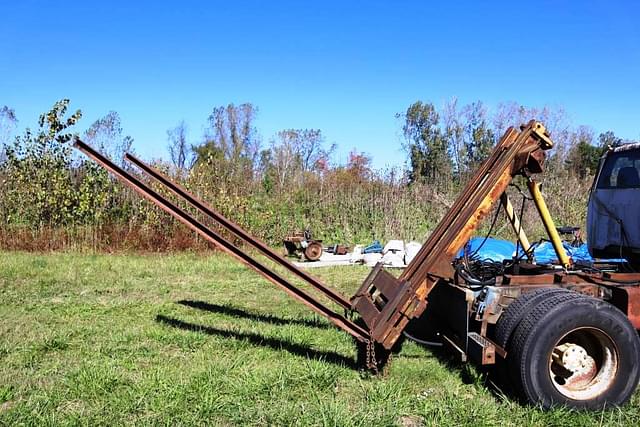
[(345, 67)]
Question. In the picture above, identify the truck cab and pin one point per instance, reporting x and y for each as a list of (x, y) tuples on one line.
[(613, 215)]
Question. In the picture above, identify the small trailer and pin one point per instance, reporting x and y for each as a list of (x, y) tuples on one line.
[(558, 334)]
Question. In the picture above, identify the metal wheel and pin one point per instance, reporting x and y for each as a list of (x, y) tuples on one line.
[(580, 352), (584, 363), (313, 251)]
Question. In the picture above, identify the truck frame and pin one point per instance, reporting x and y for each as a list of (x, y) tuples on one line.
[(556, 334)]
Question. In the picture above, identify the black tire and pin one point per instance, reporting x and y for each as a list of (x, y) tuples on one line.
[(543, 354), (508, 322), (519, 309)]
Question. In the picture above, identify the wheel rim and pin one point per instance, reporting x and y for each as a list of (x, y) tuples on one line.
[(583, 363), (313, 251)]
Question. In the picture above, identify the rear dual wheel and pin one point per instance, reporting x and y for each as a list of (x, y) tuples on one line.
[(509, 321), (573, 350)]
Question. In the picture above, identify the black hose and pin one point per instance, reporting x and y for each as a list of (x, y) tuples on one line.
[(471, 280), (423, 342)]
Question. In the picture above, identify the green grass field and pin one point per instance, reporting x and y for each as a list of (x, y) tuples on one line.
[(193, 339)]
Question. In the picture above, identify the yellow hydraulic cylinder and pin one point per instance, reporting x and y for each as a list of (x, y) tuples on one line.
[(534, 189), (515, 224)]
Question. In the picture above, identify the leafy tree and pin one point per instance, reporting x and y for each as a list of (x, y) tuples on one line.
[(608, 139), (308, 145), (40, 190), (427, 146), (7, 125), (265, 169), (583, 155), (478, 138)]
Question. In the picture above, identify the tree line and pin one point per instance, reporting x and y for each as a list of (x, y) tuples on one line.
[(51, 197)]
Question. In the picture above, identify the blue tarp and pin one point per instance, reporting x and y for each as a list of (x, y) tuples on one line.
[(373, 248), (493, 249), (499, 250)]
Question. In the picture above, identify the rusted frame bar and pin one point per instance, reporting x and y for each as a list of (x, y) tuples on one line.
[(238, 231), (337, 319)]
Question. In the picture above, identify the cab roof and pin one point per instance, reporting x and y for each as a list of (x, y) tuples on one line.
[(626, 147)]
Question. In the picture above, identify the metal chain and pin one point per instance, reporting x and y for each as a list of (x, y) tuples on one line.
[(371, 361), (374, 362), (368, 360)]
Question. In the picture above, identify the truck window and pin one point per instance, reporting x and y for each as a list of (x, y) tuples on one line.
[(621, 170)]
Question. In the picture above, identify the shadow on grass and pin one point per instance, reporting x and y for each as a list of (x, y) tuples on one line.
[(471, 374), (260, 340), (260, 317)]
